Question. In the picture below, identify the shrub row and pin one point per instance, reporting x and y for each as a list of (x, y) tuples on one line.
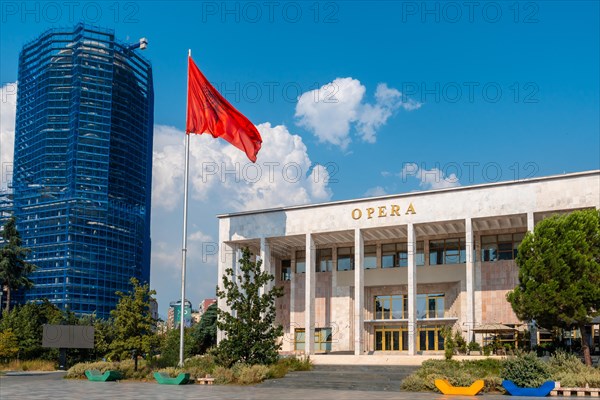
[(198, 367), (525, 370)]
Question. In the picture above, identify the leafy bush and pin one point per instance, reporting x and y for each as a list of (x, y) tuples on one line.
[(568, 369), (296, 364), (460, 342), (200, 366), (77, 371), (277, 371), (449, 343), (525, 370), (487, 349), (126, 368), (474, 346), (460, 373), (173, 372), (562, 360), (250, 374), (223, 376)]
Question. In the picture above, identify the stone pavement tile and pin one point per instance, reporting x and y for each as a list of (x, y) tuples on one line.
[(34, 388)]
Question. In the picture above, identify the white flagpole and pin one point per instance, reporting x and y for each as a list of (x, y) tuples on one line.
[(185, 209)]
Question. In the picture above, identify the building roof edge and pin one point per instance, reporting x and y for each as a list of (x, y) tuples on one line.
[(419, 192)]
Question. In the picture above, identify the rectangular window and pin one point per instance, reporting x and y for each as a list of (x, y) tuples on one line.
[(430, 306), (300, 261), (489, 248), (500, 247), (448, 251), (388, 255), (396, 255), (420, 253), (286, 270), (370, 257), (402, 254), (390, 338), (324, 260), (345, 258), (391, 307), (299, 339), (430, 338), (322, 339)]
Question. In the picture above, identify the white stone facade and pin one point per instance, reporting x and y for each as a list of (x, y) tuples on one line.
[(453, 226)]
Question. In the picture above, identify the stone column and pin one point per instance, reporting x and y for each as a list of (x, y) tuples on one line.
[(530, 221), (309, 296), (359, 291), (226, 260), (333, 317), (533, 334), (470, 317), (265, 256), (412, 290), (293, 316)]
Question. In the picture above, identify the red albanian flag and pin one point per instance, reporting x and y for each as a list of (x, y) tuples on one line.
[(209, 112)]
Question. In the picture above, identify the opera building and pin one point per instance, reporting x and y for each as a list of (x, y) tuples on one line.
[(388, 273)]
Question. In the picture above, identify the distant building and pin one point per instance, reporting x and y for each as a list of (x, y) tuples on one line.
[(205, 304), (83, 166), (196, 317), (173, 315), (154, 309)]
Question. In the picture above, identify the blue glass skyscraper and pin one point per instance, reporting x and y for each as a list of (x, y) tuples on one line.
[(83, 166)]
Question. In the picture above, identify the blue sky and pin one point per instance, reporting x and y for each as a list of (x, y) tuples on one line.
[(451, 93)]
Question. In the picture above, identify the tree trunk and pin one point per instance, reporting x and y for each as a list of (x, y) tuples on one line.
[(585, 346)]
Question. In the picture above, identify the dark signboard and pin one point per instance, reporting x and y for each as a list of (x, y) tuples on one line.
[(68, 336)]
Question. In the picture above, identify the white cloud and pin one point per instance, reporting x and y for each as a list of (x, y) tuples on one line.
[(330, 111), (221, 180), (283, 174), (375, 191), (8, 111), (429, 178), (200, 236)]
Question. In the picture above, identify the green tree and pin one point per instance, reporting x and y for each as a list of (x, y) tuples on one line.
[(14, 270), (104, 334), (169, 349), (559, 273), (251, 334), (204, 334), (27, 322), (134, 327), (9, 345)]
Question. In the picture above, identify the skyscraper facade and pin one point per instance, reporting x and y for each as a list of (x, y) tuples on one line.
[(83, 166)]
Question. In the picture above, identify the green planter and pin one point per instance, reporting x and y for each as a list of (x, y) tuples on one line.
[(165, 379), (96, 376)]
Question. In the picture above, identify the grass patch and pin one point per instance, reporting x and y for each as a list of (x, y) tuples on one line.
[(28, 365)]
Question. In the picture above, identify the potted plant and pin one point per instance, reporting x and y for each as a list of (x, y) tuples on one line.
[(473, 347)]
